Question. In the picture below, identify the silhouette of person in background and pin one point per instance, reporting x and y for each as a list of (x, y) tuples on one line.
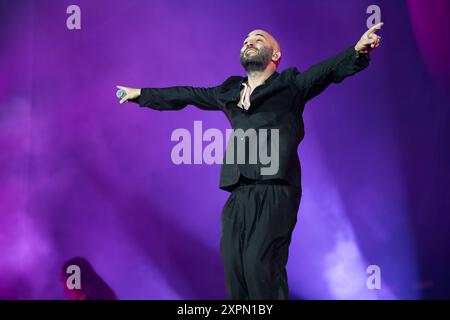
[(93, 287)]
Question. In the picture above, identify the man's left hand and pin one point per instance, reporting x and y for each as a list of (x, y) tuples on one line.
[(369, 40)]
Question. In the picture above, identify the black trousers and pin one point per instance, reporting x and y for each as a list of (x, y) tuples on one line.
[(257, 224)]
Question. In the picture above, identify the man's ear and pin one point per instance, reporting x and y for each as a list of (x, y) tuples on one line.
[(276, 57)]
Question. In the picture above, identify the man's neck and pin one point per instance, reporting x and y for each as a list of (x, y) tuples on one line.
[(255, 78)]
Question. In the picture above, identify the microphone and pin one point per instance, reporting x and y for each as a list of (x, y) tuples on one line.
[(120, 93)]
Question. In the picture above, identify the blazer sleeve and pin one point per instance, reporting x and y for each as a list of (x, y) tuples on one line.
[(176, 98), (333, 70)]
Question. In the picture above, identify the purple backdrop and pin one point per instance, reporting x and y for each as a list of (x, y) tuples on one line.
[(82, 175)]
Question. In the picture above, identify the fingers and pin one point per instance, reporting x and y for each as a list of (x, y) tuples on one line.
[(374, 28), (370, 40), (374, 40), (377, 43), (124, 99), (126, 96)]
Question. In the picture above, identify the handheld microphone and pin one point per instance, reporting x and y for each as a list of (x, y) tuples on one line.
[(120, 93)]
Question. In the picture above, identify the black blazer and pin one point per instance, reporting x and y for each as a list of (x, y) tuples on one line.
[(277, 104)]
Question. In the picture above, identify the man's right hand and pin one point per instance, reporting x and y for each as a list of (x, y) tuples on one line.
[(131, 93)]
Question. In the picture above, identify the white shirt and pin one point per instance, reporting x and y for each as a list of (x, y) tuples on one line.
[(244, 102)]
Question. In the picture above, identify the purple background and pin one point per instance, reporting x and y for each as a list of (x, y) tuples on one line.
[(82, 175)]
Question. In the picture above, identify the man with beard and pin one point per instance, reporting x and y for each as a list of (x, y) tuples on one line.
[(261, 211)]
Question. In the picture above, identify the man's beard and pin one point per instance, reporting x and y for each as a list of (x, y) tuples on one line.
[(257, 61)]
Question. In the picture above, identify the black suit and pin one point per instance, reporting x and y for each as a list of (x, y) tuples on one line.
[(276, 104)]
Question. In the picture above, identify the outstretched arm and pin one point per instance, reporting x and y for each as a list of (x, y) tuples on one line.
[(335, 69), (172, 98)]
